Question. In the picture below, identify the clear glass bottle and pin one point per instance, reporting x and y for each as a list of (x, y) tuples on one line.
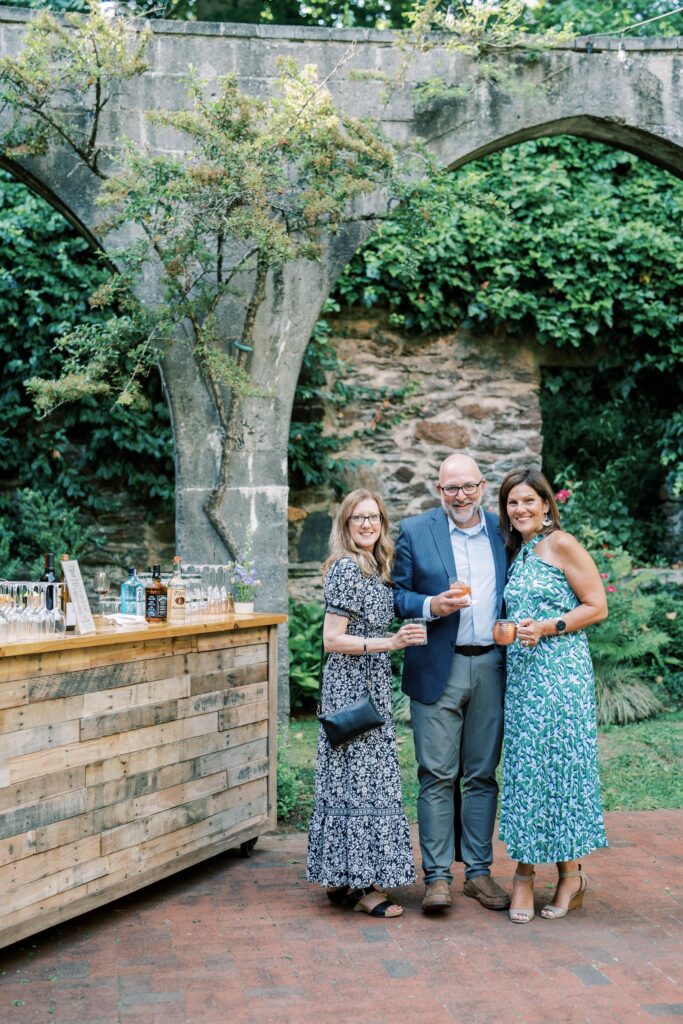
[(156, 598), (132, 594), (176, 595)]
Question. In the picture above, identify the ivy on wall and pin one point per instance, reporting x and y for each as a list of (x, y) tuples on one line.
[(77, 456)]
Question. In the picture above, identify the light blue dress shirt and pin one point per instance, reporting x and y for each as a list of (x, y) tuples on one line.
[(475, 566)]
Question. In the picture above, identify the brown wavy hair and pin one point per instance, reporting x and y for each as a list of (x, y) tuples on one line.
[(342, 545), (535, 479)]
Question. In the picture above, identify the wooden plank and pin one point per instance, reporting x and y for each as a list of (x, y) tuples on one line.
[(45, 738), (251, 655), (237, 627), (233, 756), (70, 756), (45, 812), (179, 817), (246, 772), (222, 699), (90, 680), (60, 882), (142, 782), (199, 745), (13, 694), (215, 641), (228, 678), (43, 787), (129, 720), (160, 690), (32, 716), (126, 811), (53, 910), (273, 712), (230, 718), (39, 840), (29, 869)]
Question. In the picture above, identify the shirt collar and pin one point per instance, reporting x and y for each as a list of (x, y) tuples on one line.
[(482, 526)]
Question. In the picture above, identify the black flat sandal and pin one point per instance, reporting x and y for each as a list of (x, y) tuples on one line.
[(357, 896), (338, 896)]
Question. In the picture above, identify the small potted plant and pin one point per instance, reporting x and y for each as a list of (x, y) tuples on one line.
[(244, 580)]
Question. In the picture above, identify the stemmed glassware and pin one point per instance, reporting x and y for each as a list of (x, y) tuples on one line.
[(24, 611)]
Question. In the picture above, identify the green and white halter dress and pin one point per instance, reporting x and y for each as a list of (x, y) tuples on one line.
[(551, 805)]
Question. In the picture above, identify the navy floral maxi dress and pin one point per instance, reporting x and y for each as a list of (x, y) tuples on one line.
[(359, 834), (551, 806)]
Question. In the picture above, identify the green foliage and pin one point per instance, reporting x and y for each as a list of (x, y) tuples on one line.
[(288, 782), (305, 636), (668, 618), (46, 275), (606, 16), (31, 524), (640, 765), (625, 643)]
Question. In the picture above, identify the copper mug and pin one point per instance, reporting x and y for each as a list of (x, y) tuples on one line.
[(505, 632)]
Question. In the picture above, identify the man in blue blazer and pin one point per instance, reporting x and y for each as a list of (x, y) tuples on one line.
[(457, 681)]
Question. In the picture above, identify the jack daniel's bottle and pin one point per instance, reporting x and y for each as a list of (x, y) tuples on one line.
[(156, 598)]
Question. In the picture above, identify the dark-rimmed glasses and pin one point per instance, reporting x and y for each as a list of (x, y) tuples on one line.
[(451, 491), (374, 519)]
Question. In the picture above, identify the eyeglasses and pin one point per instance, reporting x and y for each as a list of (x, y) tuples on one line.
[(469, 489), (359, 520)]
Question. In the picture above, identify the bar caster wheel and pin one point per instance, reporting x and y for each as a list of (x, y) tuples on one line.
[(247, 847)]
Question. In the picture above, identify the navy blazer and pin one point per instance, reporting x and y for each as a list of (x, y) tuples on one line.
[(422, 566)]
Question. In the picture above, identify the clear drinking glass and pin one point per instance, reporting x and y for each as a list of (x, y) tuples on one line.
[(418, 622)]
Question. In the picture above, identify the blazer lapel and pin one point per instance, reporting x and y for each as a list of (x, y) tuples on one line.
[(499, 559), (442, 539)]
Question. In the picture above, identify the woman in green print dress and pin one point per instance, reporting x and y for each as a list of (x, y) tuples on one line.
[(551, 807)]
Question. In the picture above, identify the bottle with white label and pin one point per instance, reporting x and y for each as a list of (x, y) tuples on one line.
[(176, 595), (132, 595), (156, 597)]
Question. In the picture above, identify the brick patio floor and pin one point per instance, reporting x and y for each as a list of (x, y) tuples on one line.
[(250, 942)]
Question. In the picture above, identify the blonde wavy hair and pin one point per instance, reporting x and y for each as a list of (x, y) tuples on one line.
[(342, 545)]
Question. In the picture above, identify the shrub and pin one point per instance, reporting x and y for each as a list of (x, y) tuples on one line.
[(288, 784), (305, 635), (32, 523)]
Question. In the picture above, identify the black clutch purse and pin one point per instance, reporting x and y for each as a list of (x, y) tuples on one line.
[(353, 720)]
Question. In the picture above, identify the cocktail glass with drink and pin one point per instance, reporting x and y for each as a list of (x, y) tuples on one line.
[(459, 588), (504, 632)]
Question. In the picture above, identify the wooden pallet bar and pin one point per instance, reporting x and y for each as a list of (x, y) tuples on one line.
[(126, 756)]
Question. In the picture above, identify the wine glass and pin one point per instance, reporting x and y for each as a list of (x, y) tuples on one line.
[(101, 583)]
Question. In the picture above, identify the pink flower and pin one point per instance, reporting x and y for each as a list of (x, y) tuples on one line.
[(611, 589), (604, 575), (563, 495)]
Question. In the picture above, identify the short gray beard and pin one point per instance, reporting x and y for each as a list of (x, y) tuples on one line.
[(452, 512)]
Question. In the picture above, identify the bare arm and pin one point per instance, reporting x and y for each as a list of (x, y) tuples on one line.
[(564, 551), (337, 640)]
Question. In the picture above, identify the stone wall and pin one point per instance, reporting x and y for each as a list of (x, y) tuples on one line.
[(473, 394)]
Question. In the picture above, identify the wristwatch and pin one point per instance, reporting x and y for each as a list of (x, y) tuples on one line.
[(560, 625)]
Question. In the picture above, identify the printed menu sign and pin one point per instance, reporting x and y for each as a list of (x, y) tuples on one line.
[(79, 598)]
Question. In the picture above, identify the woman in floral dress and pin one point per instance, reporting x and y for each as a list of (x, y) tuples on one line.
[(359, 841), (551, 806)]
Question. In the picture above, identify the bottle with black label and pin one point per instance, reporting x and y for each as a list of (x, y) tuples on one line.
[(67, 604), (49, 576), (156, 598)]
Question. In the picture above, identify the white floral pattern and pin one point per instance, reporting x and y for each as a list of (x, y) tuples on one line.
[(359, 834), (551, 805)]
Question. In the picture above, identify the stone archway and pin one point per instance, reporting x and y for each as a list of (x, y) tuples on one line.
[(635, 105)]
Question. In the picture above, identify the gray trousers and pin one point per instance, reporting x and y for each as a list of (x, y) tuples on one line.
[(461, 734)]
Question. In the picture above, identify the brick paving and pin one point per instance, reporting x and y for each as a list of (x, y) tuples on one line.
[(250, 942)]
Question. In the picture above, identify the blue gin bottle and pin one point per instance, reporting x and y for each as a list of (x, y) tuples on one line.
[(132, 595)]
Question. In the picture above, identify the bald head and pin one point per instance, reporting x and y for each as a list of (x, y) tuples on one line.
[(459, 465), (461, 488)]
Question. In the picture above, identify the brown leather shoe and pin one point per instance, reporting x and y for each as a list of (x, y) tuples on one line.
[(486, 889), (437, 896)]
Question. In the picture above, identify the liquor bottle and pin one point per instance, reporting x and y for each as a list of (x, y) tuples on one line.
[(176, 595), (49, 577), (67, 603), (156, 597), (132, 594)]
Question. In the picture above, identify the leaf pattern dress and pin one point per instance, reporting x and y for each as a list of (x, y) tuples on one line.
[(359, 833), (551, 806)]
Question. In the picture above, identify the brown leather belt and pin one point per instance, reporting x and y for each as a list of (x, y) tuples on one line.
[(474, 650)]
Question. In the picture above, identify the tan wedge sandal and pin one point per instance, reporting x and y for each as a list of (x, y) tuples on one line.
[(519, 915), (550, 913)]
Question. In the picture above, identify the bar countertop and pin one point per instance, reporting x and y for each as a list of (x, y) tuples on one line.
[(107, 635)]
